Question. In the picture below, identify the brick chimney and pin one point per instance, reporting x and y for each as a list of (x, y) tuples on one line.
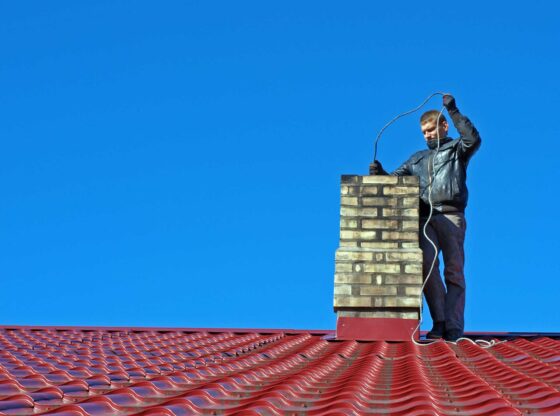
[(378, 273)]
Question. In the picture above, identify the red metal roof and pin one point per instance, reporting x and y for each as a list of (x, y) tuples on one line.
[(112, 371)]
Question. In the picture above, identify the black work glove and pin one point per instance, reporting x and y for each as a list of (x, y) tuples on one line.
[(376, 168), (449, 103)]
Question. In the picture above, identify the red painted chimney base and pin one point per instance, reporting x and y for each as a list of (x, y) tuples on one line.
[(375, 329)]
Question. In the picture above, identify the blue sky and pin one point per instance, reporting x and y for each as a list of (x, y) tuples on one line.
[(178, 164)]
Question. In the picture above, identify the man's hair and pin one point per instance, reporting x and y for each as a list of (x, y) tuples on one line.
[(432, 115)]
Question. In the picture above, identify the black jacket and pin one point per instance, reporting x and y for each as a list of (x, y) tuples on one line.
[(449, 183)]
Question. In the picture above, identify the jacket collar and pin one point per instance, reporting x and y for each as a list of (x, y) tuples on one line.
[(432, 144)]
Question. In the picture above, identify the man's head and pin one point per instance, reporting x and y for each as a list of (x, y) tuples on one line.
[(428, 123)]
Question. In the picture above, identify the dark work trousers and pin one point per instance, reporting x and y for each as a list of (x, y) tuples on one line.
[(447, 231)]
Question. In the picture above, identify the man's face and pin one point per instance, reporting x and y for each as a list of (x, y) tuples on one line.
[(430, 131)]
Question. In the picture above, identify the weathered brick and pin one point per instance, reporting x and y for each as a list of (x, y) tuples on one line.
[(413, 268), (368, 213), (409, 180), (380, 224), (382, 268), (400, 279), (351, 179), (348, 244), (389, 302), (354, 314), (398, 315), (378, 290), (358, 212), (390, 212), (379, 244), (379, 202), (409, 245), (410, 202), (404, 256), (348, 223), (412, 290), (397, 235), (357, 235), (342, 289), (349, 212), (353, 255), (380, 179), (410, 212), (369, 190), (399, 213), (408, 301), (352, 278), (352, 301), (399, 190), (409, 225), (349, 200), (343, 267)]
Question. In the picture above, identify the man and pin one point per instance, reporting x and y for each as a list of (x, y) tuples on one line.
[(444, 170)]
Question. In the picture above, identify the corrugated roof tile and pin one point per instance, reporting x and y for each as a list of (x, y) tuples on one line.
[(112, 371)]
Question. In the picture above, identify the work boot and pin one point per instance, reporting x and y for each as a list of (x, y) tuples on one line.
[(453, 335), (437, 331)]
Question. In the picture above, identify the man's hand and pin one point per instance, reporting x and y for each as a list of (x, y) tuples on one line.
[(376, 168), (449, 102)]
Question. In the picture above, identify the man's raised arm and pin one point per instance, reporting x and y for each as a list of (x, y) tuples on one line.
[(470, 139)]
